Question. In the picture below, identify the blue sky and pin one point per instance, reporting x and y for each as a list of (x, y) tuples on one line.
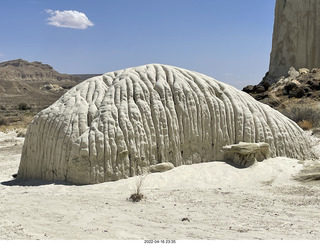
[(229, 40)]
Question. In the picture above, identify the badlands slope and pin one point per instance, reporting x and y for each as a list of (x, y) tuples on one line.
[(220, 202)]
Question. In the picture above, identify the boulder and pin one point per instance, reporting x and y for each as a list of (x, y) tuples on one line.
[(291, 85), (246, 154), (314, 85), (303, 71), (248, 89), (117, 125), (266, 85), (161, 167), (293, 73), (259, 89), (299, 92), (310, 171), (52, 87)]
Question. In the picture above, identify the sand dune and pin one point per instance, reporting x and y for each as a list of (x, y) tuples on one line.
[(216, 200)]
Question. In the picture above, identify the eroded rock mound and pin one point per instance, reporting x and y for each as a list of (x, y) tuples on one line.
[(114, 126)]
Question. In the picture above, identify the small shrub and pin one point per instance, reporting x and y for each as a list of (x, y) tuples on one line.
[(185, 219), (2, 107), (21, 134), (137, 196), (305, 124), (3, 120), (303, 113), (23, 106)]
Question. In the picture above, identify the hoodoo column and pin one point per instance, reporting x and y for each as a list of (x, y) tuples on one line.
[(296, 37)]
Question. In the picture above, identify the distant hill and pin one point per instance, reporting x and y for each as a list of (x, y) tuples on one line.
[(31, 71), (33, 83), (83, 77)]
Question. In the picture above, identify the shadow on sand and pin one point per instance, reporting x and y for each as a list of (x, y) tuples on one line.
[(34, 182), (19, 182), (236, 165)]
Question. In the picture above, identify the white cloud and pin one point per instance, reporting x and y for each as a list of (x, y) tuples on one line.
[(68, 19)]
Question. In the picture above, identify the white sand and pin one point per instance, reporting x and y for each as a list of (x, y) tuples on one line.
[(220, 201)]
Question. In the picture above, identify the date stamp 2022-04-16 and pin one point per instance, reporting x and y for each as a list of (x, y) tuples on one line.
[(160, 242)]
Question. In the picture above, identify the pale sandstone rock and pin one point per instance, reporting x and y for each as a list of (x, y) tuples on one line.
[(303, 71), (52, 87), (116, 125), (161, 167), (296, 36), (293, 73), (310, 171), (246, 154)]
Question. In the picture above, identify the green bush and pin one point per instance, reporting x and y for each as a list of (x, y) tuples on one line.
[(23, 106), (3, 120), (303, 113)]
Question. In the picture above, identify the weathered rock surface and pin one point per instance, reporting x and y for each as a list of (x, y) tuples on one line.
[(246, 154), (296, 37), (161, 167), (116, 125), (310, 171)]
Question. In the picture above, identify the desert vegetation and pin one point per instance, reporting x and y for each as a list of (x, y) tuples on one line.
[(3, 120), (16, 120), (307, 117), (137, 196), (23, 106)]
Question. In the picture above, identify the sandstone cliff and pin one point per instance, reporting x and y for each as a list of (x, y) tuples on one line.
[(296, 37)]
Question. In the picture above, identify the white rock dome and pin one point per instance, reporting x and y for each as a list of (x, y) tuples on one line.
[(112, 126)]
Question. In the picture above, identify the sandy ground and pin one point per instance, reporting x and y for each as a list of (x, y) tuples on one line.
[(216, 201)]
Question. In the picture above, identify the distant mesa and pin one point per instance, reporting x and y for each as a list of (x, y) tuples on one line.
[(24, 63), (83, 77), (20, 69), (31, 71), (116, 125), (34, 83)]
